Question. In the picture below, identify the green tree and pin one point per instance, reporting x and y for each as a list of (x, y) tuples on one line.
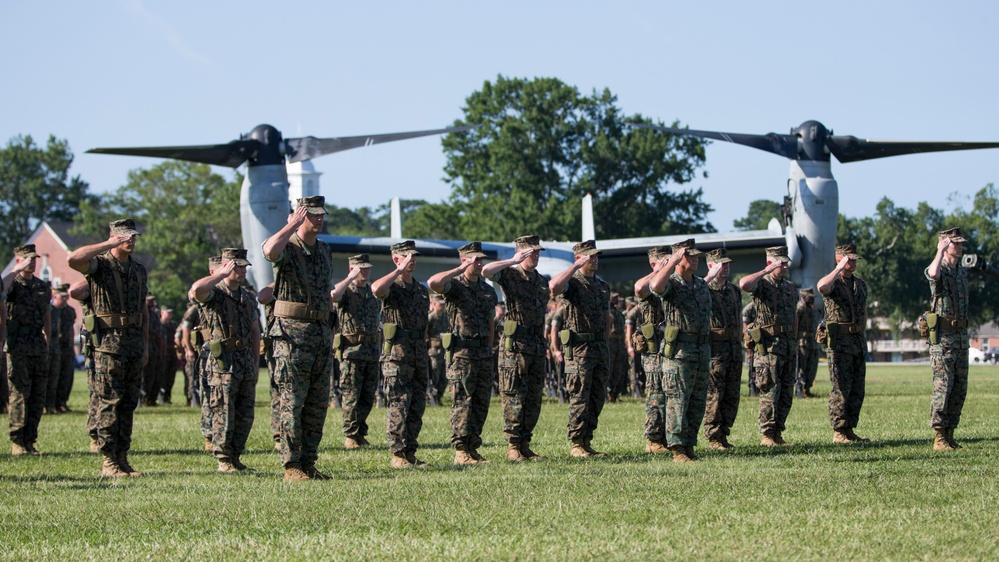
[(342, 221), (542, 146), (759, 215), (34, 186), (186, 214)]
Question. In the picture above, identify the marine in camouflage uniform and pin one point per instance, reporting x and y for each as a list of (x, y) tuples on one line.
[(749, 319), (846, 314), (405, 307), (28, 325), (266, 298), (153, 371), (556, 382), (190, 339), (231, 311), (587, 305), (650, 319), (169, 374), (686, 355), (437, 324), (470, 303), (301, 336), (201, 366), (808, 353), (522, 355), (949, 341), (67, 360), (58, 302), (618, 358), (726, 352), (118, 295), (774, 362), (81, 292), (357, 346)]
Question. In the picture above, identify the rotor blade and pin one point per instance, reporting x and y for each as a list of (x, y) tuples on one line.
[(783, 145), (306, 148), (851, 149), (231, 154)]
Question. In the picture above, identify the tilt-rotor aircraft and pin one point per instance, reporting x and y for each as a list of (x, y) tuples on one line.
[(263, 200)]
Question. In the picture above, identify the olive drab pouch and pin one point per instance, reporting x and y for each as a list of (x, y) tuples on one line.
[(268, 343), (670, 334), (215, 348), (821, 334), (388, 330), (90, 323), (931, 324), (833, 330), (649, 331), (509, 329), (447, 341), (338, 346), (565, 336), (756, 334)]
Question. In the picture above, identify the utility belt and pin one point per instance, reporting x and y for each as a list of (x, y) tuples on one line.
[(341, 341), (231, 344), (672, 335), (299, 311), (570, 338), (511, 329), (394, 335), (774, 331), (616, 336), (951, 323), (725, 334), (470, 342), (114, 321)]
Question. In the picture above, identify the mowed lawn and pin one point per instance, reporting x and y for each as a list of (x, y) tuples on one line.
[(892, 499)]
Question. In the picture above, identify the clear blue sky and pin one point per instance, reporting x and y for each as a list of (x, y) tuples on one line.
[(143, 73)]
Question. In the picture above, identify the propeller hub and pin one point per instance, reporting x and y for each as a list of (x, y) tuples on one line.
[(812, 137), (271, 148)]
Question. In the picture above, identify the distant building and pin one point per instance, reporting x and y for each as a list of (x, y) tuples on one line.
[(986, 337), (303, 181)]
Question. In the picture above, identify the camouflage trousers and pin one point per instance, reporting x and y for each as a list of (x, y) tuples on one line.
[(52, 385), (521, 384), (950, 385), (808, 364), (302, 375), (723, 396), (438, 372), (586, 383), (151, 375), (655, 400), (193, 391), (617, 383), (4, 388), (406, 396), (359, 383), (848, 375), (275, 401), (685, 386), (117, 382), (27, 377), (169, 375), (93, 401), (201, 373), (775, 378), (231, 402), (471, 383), (66, 374)]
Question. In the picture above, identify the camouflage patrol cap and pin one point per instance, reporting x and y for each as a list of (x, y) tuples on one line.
[(26, 252), (124, 226), (659, 252), (150, 299), (687, 245), (237, 255), (954, 234), (809, 292), (848, 250), (587, 248), (62, 289), (214, 262), (778, 253), (362, 261), (529, 241), (471, 250), (719, 255), (405, 248), (315, 205)]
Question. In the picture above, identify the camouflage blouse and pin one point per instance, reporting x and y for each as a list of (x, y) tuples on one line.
[(687, 304), (587, 301), (128, 341), (304, 274), (232, 314), (526, 295), (847, 303), (359, 313), (776, 307), (27, 303), (951, 291), (408, 307), (471, 306), (726, 313), (67, 329)]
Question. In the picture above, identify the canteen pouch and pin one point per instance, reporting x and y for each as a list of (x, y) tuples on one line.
[(268, 344), (509, 329), (338, 346), (748, 342), (388, 330), (821, 334), (447, 341), (90, 324), (756, 334), (649, 331), (215, 348), (833, 330), (931, 327), (670, 334), (565, 336)]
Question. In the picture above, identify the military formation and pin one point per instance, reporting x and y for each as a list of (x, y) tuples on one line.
[(681, 342)]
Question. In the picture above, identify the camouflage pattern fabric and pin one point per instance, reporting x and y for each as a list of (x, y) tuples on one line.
[(55, 360), (27, 356), (949, 356), (169, 374), (618, 358), (846, 302), (153, 370), (686, 304), (437, 323), (191, 320), (471, 306), (748, 319), (358, 382), (117, 380), (651, 309), (405, 367), (68, 352), (775, 379), (725, 372), (522, 368), (4, 387), (275, 404), (587, 300), (88, 353), (27, 304), (775, 357), (808, 354), (359, 313), (230, 398)]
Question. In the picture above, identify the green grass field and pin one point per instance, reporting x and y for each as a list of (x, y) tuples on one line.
[(892, 499)]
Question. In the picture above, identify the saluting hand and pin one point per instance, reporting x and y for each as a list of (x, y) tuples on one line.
[(522, 255), (405, 263), (298, 217), (226, 269), (943, 244), (118, 238)]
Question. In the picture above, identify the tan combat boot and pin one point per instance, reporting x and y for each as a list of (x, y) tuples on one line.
[(411, 457), (525, 449), (208, 444), (126, 467), (350, 443), (461, 456), (655, 447), (399, 460), (690, 453), (578, 451), (680, 454), (841, 438), (293, 473), (313, 473), (779, 438), (940, 442), (226, 467), (856, 438), (513, 453), (17, 448), (361, 441), (94, 447), (593, 452), (479, 458), (237, 464), (768, 440), (950, 439), (110, 469)]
